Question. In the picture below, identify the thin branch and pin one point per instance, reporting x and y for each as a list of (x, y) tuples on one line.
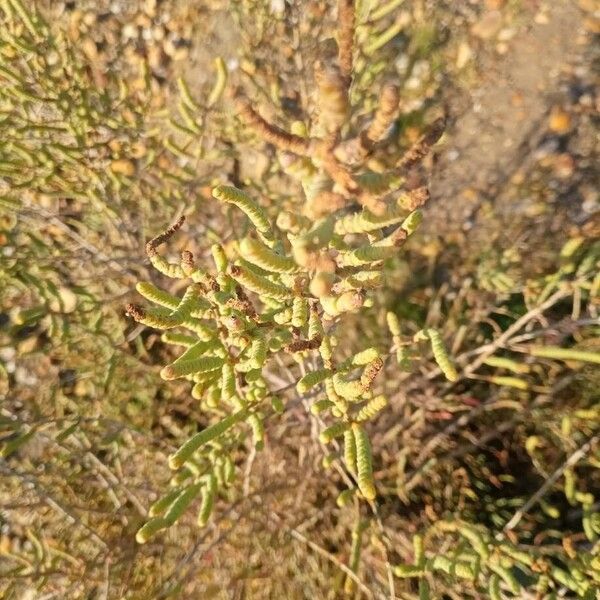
[(330, 557), (573, 459)]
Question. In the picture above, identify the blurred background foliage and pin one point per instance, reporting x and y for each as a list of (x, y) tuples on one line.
[(116, 118)]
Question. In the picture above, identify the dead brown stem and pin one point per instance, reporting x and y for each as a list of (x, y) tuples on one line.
[(271, 133), (421, 148), (163, 237)]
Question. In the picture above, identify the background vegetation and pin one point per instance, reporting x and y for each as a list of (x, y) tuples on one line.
[(117, 118)]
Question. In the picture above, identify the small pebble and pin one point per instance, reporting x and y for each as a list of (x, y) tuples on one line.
[(463, 55), (559, 121)]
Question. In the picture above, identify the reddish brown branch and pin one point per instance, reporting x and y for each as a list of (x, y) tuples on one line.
[(163, 237), (271, 133), (338, 172), (421, 148), (371, 371), (346, 39), (385, 115), (135, 311)]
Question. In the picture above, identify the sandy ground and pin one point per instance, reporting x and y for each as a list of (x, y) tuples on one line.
[(498, 123)]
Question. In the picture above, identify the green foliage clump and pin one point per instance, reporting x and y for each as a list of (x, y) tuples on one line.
[(280, 292), (256, 306)]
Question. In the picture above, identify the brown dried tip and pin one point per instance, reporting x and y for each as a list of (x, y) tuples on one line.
[(271, 133), (420, 149), (163, 237), (212, 283), (371, 371), (241, 293), (385, 115), (346, 38), (187, 260), (135, 311), (243, 305), (302, 345)]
